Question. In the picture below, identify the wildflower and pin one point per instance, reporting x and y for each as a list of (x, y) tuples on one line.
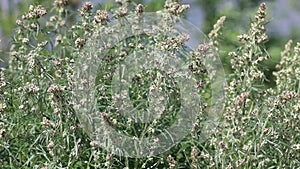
[(32, 87), (141, 46), (56, 110), (257, 29), (287, 95), (25, 40), (122, 11), (217, 27), (243, 38), (195, 127), (296, 147), (194, 154), (222, 144), (101, 16), (62, 23), (79, 42), (139, 9), (171, 161), (58, 39), (53, 18), (59, 3), (203, 47), (240, 162), (242, 98), (94, 143), (108, 160), (57, 62), (175, 8), (2, 129), (87, 6), (53, 89), (50, 147), (19, 22), (47, 123), (2, 84), (35, 12), (245, 61), (261, 12), (2, 107), (21, 106), (42, 44), (40, 11), (288, 75)]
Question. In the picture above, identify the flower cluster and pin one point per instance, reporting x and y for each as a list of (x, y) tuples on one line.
[(60, 3), (173, 43), (194, 157), (122, 11), (139, 9), (245, 60), (216, 31), (54, 89), (257, 30), (172, 162), (79, 42), (87, 7), (287, 77), (35, 12), (257, 120), (175, 8), (101, 16), (2, 129)]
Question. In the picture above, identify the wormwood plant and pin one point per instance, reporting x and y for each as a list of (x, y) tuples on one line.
[(39, 128)]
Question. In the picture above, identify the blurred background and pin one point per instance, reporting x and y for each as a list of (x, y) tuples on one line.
[(284, 17)]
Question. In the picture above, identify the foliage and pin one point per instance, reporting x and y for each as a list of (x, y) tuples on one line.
[(39, 127)]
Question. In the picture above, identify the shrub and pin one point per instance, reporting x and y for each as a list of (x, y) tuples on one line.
[(39, 127)]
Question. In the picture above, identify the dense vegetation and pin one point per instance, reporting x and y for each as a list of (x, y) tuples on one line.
[(39, 127)]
